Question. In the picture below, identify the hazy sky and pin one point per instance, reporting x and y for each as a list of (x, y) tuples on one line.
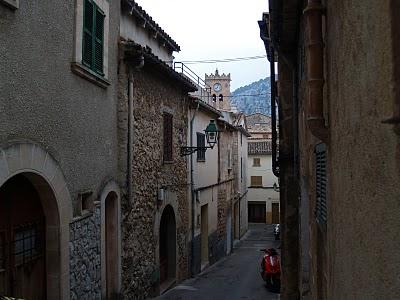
[(214, 29)]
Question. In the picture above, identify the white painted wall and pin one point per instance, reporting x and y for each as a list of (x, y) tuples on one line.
[(205, 173), (265, 170), (130, 30)]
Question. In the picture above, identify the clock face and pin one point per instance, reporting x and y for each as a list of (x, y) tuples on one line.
[(217, 87)]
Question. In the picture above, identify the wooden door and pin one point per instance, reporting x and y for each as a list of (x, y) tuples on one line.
[(204, 234), (257, 212), (22, 241), (275, 213)]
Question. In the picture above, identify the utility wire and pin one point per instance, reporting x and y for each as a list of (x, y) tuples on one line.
[(211, 61)]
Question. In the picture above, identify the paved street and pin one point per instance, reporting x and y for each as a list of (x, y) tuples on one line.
[(234, 277)]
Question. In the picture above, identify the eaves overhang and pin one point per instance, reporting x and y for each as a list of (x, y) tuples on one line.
[(204, 106), (147, 22), (284, 27), (134, 52)]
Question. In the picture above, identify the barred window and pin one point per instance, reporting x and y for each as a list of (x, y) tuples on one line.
[(321, 183), (167, 140)]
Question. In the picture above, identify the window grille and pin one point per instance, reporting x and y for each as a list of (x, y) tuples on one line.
[(27, 244), (201, 142), (168, 125), (321, 184)]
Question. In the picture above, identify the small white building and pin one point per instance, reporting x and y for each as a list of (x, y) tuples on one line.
[(263, 190)]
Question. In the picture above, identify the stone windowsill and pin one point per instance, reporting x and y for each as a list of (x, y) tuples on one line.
[(13, 4), (88, 74), (85, 214)]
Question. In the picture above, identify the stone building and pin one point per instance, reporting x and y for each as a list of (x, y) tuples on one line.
[(59, 194), (263, 195), (339, 113), (152, 126)]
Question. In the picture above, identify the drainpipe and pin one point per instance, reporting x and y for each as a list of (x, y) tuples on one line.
[(275, 167), (138, 66), (395, 33), (192, 191), (315, 69)]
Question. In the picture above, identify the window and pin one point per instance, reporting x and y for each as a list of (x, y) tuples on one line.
[(256, 162), (241, 169), (201, 142), (167, 147), (93, 36), (320, 175), (256, 180), (27, 244)]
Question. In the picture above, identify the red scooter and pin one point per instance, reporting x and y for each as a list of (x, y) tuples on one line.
[(271, 270)]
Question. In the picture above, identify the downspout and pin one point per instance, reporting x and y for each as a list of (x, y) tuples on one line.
[(138, 66), (130, 133), (275, 166), (315, 69), (395, 35), (192, 191)]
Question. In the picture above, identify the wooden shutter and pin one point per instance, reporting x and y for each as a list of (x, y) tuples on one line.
[(93, 37), (98, 41), (201, 142), (256, 180), (168, 124), (321, 184), (87, 47)]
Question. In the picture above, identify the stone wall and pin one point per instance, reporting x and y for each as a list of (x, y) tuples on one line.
[(153, 95), (85, 259)]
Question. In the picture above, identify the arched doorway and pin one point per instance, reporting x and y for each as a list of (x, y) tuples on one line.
[(22, 240), (167, 245), (111, 245)]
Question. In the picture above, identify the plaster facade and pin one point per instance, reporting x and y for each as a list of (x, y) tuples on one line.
[(62, 128), (338, 256)]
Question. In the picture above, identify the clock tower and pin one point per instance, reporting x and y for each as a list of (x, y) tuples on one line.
[(221, 88)]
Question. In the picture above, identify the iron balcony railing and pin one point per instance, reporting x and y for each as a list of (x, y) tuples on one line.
[(204, 91)]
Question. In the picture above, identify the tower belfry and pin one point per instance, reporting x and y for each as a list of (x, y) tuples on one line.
[(220, 85)]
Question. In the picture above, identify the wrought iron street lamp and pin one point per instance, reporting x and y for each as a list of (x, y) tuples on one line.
[(211, 132)]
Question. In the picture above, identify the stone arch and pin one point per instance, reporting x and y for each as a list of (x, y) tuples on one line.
[(110, 199), (167, 246), (39, 167)]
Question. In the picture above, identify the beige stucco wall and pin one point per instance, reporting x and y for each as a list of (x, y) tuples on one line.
[(364, 211), (362, 239)]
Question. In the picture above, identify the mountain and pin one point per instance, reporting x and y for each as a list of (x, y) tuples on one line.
[(244, 101)]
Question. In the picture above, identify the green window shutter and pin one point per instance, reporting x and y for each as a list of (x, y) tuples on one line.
[(98, 44), (93, 37), (87, 47)]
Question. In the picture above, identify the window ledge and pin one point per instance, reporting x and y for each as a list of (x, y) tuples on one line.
[(201, 160), (88, 74), (13, 4)]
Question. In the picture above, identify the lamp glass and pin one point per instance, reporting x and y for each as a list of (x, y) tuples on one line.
[(211, 133)]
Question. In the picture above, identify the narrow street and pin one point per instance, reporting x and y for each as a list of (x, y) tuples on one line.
[(234, 277)]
